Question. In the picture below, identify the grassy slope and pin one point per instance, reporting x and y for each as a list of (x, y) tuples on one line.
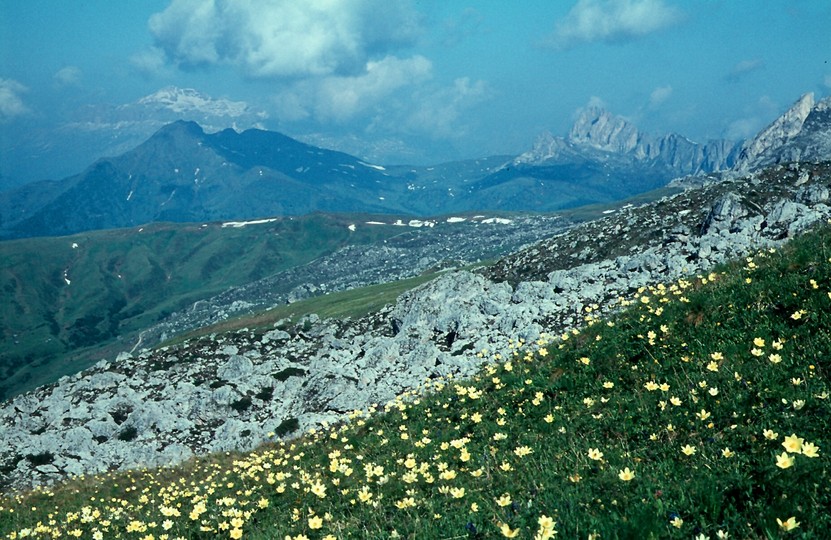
[(713, 392), (350, 304), (122, 281)]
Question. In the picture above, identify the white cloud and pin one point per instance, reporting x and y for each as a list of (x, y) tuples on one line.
[(613, 21), (438, 112), (341, 98), (743, 128), (744, 67), (595, 102), (660, 95), (150, 62), (827, 81), (755, 117), (11, 103), (68, 76), (284, 38)]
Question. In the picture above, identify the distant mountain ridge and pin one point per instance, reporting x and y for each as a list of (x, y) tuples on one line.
[(596, 129), (104, 130), (184, 174)]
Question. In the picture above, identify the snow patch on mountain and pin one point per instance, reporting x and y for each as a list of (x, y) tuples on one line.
[(188, 100)]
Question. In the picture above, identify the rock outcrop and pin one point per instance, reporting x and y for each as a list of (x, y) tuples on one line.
[(802, 133)]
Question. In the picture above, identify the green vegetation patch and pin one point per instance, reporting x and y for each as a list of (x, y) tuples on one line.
[(64, 300)]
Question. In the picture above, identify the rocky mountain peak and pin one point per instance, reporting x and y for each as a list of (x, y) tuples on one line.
[(597, 130), (546, 146), (601, 129), (764, 147), (190, 101)]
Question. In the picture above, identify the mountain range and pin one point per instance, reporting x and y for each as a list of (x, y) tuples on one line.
[(183, 173), (93, 132)]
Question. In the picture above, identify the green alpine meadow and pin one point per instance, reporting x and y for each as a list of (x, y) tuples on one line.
[(699, 410)]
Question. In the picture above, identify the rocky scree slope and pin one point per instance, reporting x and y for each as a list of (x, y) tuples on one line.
[(232, 391), (423, 246)]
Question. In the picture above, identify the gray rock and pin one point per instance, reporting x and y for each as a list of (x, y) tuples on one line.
[(237, 367)]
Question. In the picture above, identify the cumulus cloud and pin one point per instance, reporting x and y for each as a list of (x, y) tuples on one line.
[(755, 117), (740, 69), (11, 102), (150, 62), (341, 98), (284, 38), (68, 76), (660, 95), (438, 111), (743, 128), (612, 21)]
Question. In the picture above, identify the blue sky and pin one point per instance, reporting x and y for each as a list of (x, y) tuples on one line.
[(422, 81)]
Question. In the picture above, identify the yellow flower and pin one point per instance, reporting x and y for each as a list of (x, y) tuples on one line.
[(810, 450), (507, 532), (793, 443), (546, 522), (549, 418), (585, 360), (315, 522), (726, 452), (717, 356), (236, 533), (504, 500), (798, 315), (595, 454), (688, 450), (364, 495), (703, 415), (770, 434), (675, 401), (651, 386), (522, 451), (319, 489), (626, 475), (783, 460), (712, 366), (759, 342), (677, 522), (406, 502), (474, 507), (788, 524), (457, 493), (608, 384)]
